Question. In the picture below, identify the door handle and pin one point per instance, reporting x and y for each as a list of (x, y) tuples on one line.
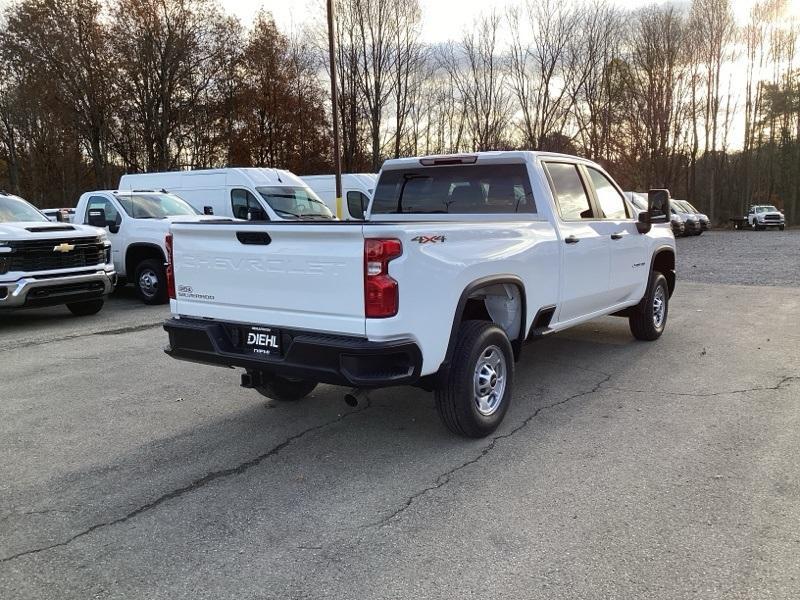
[(572, 240), (616, 236), (256, 238)]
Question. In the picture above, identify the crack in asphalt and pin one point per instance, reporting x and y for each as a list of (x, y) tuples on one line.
[(446, 477), (780, 385), (191, 487), (74, 336)]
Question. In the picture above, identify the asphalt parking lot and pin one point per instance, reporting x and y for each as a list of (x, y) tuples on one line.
[(623, 470)]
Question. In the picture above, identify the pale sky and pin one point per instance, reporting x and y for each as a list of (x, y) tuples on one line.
[(442, 20)]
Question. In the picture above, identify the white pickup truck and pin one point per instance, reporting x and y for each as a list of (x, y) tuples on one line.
[(136, 222), (461, 260), (47, 264)]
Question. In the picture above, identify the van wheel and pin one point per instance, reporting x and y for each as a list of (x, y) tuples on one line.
[(151, 282), (285, 389), (476, 391), (84, 309), (649, 318)]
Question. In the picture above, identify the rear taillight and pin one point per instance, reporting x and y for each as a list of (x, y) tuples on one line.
[(381, 294), (169, 267)]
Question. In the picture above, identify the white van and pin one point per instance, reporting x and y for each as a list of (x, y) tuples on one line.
[(256, 194), (357, 190)]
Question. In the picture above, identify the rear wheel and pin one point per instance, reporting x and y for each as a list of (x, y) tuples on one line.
[(649, 318), (285, 389), (84, 309), (782, 227), (151, 281), (476, 391)]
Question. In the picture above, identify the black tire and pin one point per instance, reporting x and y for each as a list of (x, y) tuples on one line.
[(285, 390), (782, 227), (84, 309), (456, 397), (151, 282), (644, 323)]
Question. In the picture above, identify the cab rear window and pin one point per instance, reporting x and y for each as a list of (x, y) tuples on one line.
[(463, 189)]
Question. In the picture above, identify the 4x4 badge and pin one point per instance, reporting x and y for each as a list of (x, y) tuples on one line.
[(428, 239)]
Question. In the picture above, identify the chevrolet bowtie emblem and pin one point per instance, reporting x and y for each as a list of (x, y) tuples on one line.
[(64, 248)]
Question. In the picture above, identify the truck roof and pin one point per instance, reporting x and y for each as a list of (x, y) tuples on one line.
[(496, 156)]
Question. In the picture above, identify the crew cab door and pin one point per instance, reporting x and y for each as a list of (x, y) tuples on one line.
[(585, 250), (629, 267)]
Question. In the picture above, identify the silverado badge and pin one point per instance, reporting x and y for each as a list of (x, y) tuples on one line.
[(64, 248)]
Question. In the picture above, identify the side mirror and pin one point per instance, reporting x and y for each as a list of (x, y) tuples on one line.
[(256, 214), (97, 217), (60, 217), (114, 227), (658, 206), (208, 210)]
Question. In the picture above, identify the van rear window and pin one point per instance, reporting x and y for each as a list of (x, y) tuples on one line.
[(463, 189)]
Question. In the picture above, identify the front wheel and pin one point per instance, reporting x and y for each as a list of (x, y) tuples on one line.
[(284, 389), (151, 282), (476, 391), (84, 309), (649, 318)]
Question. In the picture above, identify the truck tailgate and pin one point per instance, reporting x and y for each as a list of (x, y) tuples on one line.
[(303, 276)]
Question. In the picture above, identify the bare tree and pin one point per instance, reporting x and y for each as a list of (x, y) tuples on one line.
[(409, 58), (544, 38), (654, 82), (596, 61), (477, 71)]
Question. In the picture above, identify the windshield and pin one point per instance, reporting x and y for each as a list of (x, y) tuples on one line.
[(690, 206), (15, 210), (295, 203), (763, 209), (686, 206), (155, 206)]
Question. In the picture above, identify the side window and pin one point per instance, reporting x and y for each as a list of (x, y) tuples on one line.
[(573, 202), (242, 202), (612, 204), (112, 214), (357, 204)]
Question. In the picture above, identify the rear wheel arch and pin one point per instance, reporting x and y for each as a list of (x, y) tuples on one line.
[(498, 299)]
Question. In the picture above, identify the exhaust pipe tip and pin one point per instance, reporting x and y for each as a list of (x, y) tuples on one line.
[(355, 397)]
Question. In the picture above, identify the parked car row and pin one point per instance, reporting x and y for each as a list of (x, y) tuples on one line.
[(685, 219), (136, 217)]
